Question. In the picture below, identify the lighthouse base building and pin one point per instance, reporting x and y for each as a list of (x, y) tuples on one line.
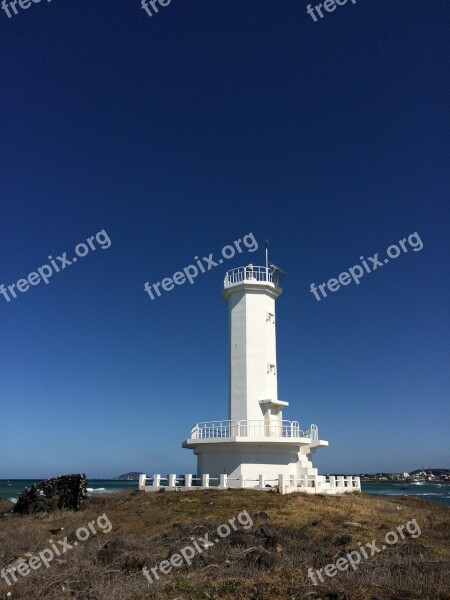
[(255, 447)]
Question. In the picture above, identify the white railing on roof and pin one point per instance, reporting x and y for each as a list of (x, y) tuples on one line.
[(249, 273), (252, 429)]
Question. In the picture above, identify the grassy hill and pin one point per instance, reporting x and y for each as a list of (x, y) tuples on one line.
[(265, 560)]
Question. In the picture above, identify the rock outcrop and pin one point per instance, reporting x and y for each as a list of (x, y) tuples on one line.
[(65, 492)]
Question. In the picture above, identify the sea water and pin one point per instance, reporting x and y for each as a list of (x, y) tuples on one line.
[(438, 492)]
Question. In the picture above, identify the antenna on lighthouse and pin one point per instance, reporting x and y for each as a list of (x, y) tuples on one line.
[(267, 259)]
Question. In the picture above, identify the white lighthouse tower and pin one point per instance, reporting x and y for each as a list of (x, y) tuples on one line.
[(255, 447)]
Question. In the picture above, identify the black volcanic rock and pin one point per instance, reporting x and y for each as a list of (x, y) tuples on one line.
[(65, 492)]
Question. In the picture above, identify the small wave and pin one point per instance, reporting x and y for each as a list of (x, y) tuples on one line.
[(100, 490), (418, 483), (13, 500), (388, 493)]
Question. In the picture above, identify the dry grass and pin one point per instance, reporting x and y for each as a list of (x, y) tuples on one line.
[(268, 561)]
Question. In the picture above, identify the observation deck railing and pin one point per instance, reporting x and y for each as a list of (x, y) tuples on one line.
[(252, 429), (251, 274)]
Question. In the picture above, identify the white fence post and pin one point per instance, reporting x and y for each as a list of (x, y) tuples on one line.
[(205, 480), (142, 480), (172, 480), (188, 480), (156, 481), (223, 480), (262, 482), (282, 483)]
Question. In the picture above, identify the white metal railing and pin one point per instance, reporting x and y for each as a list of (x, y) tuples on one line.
[(312, 432), (249, 273), (252, 429)]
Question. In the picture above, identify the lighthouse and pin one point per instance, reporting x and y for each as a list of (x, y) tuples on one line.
[(255, 446)]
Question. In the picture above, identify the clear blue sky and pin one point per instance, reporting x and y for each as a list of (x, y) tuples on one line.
[(178, 134)]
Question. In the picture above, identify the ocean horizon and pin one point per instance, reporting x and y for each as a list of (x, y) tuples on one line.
[(10, 489)]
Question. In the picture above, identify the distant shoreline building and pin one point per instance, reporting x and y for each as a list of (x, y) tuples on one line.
[(255, 447)]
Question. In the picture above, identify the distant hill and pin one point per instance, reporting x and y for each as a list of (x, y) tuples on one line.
[(133, 476)]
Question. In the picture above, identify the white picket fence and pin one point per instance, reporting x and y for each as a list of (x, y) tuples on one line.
[(308, 484)]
